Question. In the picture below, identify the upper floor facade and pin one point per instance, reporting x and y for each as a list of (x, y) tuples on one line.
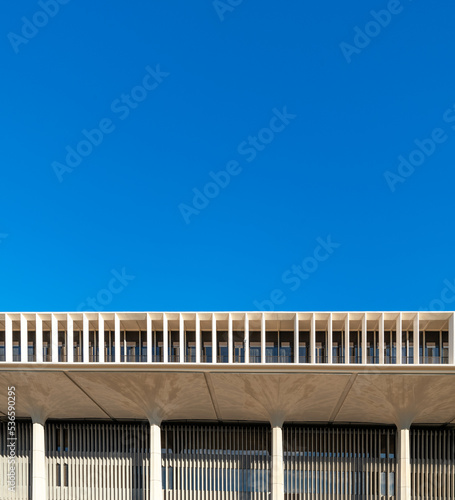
[(360, 338)]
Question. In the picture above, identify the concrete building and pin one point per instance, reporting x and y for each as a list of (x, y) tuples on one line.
[(273, 405)]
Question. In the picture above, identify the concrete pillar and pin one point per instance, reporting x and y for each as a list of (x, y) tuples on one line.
[(149, 339), (346, 339), (214, 340), (198, 338), (329, 340), (117, 347), (404, 463), (85, 335), (101, 338), (263, 350), (381, 339), (416, 328), (156, 488), (39, 486), (181, 339), (399, 340), (451, 339), (24, 340), (165, 339), (8, 339), (54, 338), (312, 339), (230, 340), (39, 339), (363, 341), (277, 463), (247, 339), (296, 339), (69, 339)]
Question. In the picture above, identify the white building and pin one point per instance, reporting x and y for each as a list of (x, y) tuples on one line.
[(273, 405)]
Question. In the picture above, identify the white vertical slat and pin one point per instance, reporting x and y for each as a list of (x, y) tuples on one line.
[(149, 338), (54, 338), (69, 338), (381, 339), (24, 340), (230, 340), (312, 339), (198, 338), (214, 340), (399, 339), (181, 339), (346, 339), (247, 339), (8, 339), (85, 330), (117, 350), (263, 338), (416, 339), (329, 340), (363, 342), (452, 339), (296, 338), (100, 338), (39, 339), (165, 339)]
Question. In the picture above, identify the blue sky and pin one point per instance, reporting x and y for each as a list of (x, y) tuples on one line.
[(237, 155)]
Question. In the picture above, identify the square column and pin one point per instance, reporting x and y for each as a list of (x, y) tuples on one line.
[(329, 340), (277, 463), (85, 330), (363, 342), (381, 339), (214, 340), (24, 340), (451, 339), (404, 463), (149, 339), (8, 339), (117, 348), (247, 339), (100, 338), (70, 338), (54, 339), (346, 339), (39, 339), (230, 340), (416, 339), (181, 339), (165, 340), (39, 486), (263, 338), (156, 487), (198, 337), (399, 340), (312, 339), (296, 339)]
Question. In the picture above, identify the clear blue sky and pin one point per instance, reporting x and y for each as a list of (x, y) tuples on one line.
[(292, 102)]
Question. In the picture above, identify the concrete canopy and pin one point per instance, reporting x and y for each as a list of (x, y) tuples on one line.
[(401, 395)]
